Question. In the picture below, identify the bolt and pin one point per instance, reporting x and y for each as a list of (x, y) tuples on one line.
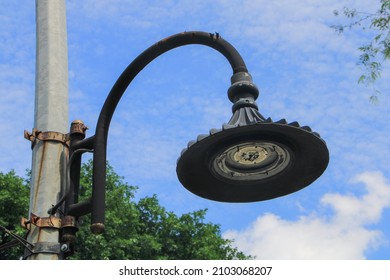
[(64, 247)]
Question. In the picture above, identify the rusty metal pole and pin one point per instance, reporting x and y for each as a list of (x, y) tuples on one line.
[(50, 150)]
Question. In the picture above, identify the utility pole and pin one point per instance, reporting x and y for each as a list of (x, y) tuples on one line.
[(49, 137)]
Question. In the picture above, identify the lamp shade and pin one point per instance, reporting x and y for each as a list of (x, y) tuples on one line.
[(251, 158), (254, 162)]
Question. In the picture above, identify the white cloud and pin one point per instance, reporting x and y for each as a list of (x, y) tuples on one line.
[(342, 235)]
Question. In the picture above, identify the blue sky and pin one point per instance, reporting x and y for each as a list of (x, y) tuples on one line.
[(305, 71)]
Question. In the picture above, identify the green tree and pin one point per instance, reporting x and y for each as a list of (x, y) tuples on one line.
[(377, 50), (14, 201), (134, 230), (146, 230)]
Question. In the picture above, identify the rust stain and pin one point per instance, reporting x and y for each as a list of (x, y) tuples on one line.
[(62, 150), (38, 180), (39, 236)]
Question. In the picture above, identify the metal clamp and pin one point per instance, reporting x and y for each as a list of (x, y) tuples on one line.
[(41, 222), (47, 248), (46, 136)]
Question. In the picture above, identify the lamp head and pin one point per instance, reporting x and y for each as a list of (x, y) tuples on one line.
[(251, 158)]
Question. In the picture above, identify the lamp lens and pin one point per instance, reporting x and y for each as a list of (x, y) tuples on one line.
[(250, 161)]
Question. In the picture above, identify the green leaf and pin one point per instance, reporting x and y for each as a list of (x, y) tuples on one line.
[(362, 79)]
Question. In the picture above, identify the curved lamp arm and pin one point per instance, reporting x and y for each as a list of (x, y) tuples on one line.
[(100, 138), (250, 159)]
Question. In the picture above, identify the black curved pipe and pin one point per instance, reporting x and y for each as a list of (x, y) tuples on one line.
[(100, 138)]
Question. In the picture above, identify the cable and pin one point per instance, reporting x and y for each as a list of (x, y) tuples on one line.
[(14, 242)]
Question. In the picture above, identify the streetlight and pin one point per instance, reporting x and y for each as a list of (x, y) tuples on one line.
[(249, 159)]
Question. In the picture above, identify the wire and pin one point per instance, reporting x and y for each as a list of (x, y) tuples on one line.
[(14, 242), (9, 244), (54, 209)]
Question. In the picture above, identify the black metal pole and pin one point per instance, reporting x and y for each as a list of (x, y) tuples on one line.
[(100, 138)]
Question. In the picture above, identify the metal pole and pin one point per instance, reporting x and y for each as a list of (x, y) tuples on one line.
[(50, 151)]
